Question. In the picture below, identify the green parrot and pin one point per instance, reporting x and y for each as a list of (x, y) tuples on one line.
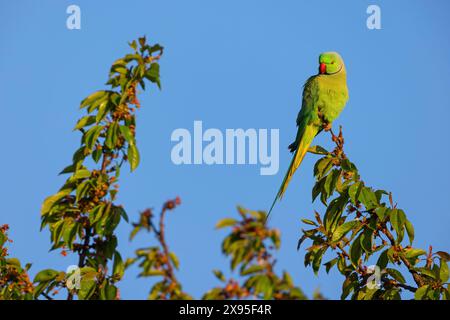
[(324, 97)]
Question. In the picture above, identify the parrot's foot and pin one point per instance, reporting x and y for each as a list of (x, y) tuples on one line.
[(292, 147), (326, 126)]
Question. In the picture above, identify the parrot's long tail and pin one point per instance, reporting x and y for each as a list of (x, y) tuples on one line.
[(302, 148)]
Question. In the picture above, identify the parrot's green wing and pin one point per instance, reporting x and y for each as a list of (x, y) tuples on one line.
[(308, 112), (308, 124)]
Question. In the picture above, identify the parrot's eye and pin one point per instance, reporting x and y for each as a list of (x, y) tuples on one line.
[(332, 62)]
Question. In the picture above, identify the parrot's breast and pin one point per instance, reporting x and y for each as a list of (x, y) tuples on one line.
[(333, 96)]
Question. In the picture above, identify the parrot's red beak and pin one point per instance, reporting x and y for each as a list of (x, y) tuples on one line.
[(322, 68)]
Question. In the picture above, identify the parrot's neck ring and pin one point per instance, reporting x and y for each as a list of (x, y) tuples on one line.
[(336, 71)]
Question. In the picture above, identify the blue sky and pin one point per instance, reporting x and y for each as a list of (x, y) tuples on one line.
[(231, 64)]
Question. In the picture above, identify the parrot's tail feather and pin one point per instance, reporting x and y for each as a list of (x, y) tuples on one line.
[(303, 146), (295, 163), (271, 207)]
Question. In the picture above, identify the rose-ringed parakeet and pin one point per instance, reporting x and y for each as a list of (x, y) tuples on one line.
[(324, 97)]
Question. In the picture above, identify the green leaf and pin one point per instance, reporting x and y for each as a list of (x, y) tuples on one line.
[(396, 275), (356, 251), (142, 41), (427, 272), (134, 232), (112, 136), (263, 285), (152, 74), (88, 273), (156, 47), (93, 97), (383, 259), (96, 213), (348, 286), (226, 223), (348, 166), (381, 212), (219, 275), (119, 69), (354, 191), (38, 289), (368, 198), (134, 56), (334, 212), (413, 253), (84, 122), (118, 266), (328, 265), (174, 259), (398, 220), (81, 174), (139, 71), (111, 247), (151, 273), (380, 193), (366, 240), (119, 62), (126, 132), (446, 294), (87, 288), (102, 110), (13, 262), (322, 167), (330, 182), (410, 231), (45, 275), (310, 222), (56, 229), (318, 260), (392, 294), (2, 239), (287, 278), (421, 292), (121, 212), (69, 169), (51, 200), (79, 155), (91, 136), (69, 231), (318, 150), (342, 265), (133, 156), (109, 222), (97, 154), (317, 189), (443, 271), (370, 294), (342, 230), (82, 189), (109, 292), (252, 269), (133, 45)]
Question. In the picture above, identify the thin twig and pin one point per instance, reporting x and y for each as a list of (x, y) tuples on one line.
[(162, 240), (46, 296)]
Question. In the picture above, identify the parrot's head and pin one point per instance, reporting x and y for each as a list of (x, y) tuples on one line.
[(330, 63)]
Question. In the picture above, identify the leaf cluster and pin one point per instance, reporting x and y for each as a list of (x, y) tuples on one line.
[(362, 223), (82, 216), (250, 246)]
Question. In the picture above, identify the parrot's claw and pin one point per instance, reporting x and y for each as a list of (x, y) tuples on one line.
[(292, 147), (326, 126)]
